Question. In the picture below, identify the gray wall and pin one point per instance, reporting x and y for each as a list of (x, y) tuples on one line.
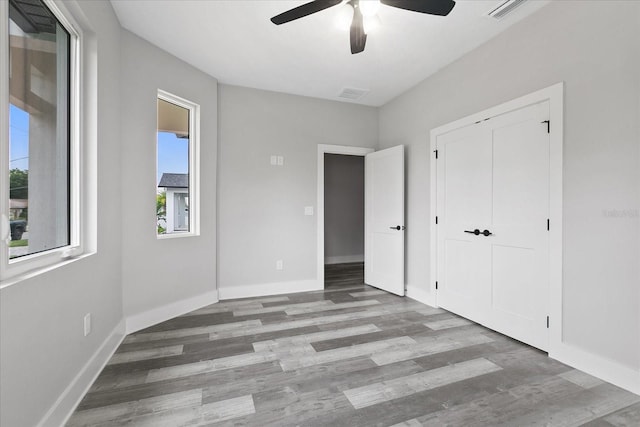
[(261, 207), (160, 272), (42, 347), (343, 208), (594, 47)]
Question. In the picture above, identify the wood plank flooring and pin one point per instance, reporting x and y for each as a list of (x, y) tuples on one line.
[(350, 355)]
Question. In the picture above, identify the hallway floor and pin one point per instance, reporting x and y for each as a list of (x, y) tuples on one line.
[(350, 355)]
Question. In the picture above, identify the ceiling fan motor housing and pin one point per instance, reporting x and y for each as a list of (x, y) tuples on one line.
[(357, 34)]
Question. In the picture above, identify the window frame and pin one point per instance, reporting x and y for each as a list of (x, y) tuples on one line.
[(194, 163), (12, 270)]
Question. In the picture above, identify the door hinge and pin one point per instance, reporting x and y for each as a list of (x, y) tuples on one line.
[(436, 284), (436, 151), (548, 225), (436, 220), (547, 322), (548, 125)]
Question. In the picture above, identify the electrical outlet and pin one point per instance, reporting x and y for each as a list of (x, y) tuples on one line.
[(279, 265), (87, 324)]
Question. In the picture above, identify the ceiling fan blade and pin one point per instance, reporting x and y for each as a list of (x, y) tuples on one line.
[(357, 34), (304, 10), (432, 7)]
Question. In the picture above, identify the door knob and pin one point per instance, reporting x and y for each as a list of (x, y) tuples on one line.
[(487, 233), (476, 232), (397, 227)]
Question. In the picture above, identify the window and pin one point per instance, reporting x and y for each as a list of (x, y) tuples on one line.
[(177, 174), (38, 139)]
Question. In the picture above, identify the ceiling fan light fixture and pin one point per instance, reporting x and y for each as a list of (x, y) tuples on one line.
[(369, 7), (344, 16), (354, 11)]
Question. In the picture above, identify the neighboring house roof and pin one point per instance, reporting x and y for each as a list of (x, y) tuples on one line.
[(174, 180)]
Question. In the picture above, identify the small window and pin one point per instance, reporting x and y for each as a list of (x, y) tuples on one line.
[(38, 168), (176, 195)]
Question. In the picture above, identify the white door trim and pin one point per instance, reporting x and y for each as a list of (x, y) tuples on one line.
[(555, 95), (322, 150)]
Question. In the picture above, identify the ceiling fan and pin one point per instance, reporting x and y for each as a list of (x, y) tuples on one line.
[(357, 31)]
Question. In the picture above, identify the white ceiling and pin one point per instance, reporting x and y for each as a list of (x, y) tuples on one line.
[(235, 42)]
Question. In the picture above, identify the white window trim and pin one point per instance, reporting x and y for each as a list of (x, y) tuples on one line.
[(14, 270), (194, 165)]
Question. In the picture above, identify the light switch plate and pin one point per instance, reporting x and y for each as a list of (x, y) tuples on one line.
[(308, 210), (280, 161), (274, 160)]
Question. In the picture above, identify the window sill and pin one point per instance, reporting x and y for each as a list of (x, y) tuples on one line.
[(43, 270), (177, 235)]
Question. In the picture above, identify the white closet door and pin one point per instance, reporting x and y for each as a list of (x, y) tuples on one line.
[(520, 240), (464, 194), (384, 220), (493, 177)]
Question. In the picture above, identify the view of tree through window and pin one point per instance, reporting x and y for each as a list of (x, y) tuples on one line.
[(173, 191), (38, 130)]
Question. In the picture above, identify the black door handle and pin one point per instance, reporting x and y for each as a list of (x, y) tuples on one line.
[(487, 233), (397, 227), (476, 232)]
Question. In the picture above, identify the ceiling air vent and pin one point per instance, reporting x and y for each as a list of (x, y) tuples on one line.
[(353, 94), (504, 8)]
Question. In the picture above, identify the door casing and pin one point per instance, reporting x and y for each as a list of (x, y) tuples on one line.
[(322, 150)]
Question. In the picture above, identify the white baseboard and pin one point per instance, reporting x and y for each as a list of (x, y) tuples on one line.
[(157, 315), (70, 398), (421, 295), (342, 259), (264, 289), (598, 366)]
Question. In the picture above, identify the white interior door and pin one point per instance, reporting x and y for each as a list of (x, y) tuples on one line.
[(384, 220), (464, 189), (494, 176), (520, 240)]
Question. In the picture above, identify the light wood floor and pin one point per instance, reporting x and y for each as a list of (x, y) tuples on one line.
[(350, 355)]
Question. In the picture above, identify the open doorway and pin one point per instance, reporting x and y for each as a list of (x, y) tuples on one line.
[(343, 220), (341, 215)]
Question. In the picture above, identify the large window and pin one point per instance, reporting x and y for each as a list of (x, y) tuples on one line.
[(176, 191), (37, 130)]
